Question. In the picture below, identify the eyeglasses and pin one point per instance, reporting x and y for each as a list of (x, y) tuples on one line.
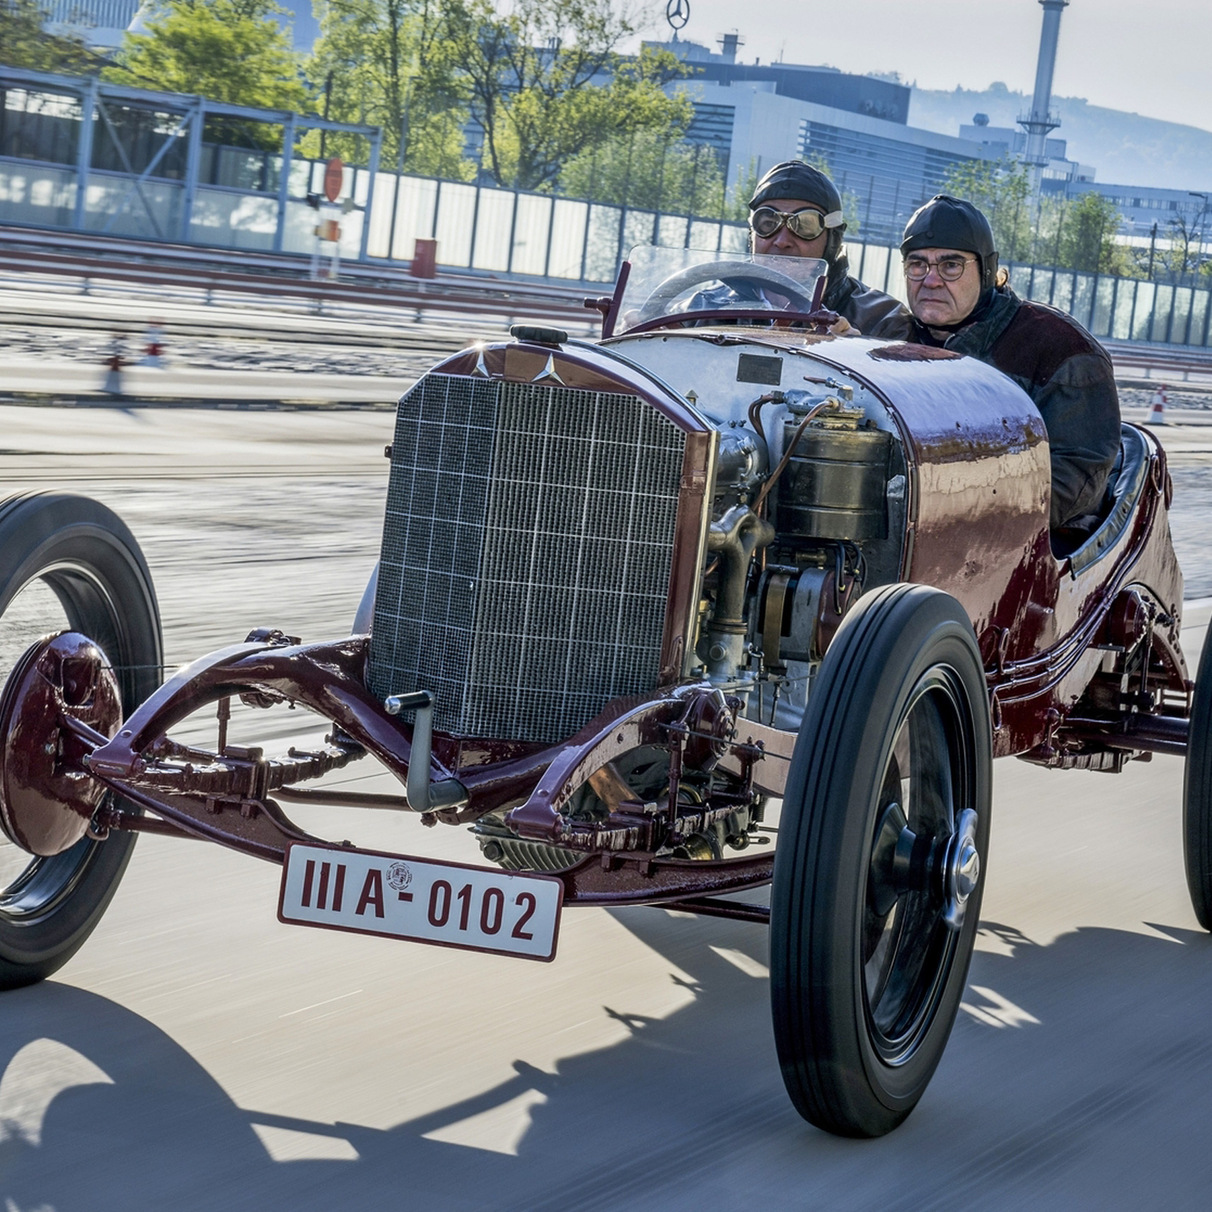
[(950, 269), (807, 224)]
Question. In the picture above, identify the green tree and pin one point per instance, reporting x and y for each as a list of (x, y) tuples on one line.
[(225, 50), (1087, 241), (392, 63), (546, 82), (1177, 250), (653, 170), (26, 44), (1001, 189), (744, 184)]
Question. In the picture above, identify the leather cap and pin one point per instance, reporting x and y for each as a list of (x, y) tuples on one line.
[(946, 222), (795, 179)]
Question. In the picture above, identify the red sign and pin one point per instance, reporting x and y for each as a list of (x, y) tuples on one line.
[(334, 177)]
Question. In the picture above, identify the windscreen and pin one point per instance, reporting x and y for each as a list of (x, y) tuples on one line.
[(673, 281)]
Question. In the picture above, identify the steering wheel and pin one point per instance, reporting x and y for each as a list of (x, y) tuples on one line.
[(726, 272)]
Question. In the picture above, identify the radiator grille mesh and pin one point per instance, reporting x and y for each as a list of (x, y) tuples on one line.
[(526, 553)]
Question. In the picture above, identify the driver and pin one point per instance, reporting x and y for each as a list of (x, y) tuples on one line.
[(796, 211), (960, 301)]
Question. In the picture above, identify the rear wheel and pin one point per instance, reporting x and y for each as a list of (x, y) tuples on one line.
[(1197, 793), (877, 888), (68, 563)]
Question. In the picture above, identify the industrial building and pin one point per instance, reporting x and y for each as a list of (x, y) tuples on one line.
[(754, 115)]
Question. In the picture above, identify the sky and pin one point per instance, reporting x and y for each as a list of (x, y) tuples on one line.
[(1148, 58)]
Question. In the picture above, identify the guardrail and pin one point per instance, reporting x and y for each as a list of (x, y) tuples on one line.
[(1170, 362), (285, 277), (95, 261)]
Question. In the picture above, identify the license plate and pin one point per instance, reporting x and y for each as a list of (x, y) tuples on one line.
[(447, 904)]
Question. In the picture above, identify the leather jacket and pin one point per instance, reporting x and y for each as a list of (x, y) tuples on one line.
[(1067, 374)]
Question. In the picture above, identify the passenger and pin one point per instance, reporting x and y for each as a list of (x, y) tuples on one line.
[(961, 302), (796, 211)]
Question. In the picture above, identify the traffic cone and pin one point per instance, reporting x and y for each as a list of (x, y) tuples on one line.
[(153, 346), (1157, 410), (113, 368)]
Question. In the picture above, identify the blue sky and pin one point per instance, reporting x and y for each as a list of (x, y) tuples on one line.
[(1149, 58)]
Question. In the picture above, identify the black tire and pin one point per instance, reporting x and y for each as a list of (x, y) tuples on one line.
[(67, 562), (1197, 793), (866, 976)]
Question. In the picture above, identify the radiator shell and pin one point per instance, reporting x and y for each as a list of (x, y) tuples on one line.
[(528, 547)]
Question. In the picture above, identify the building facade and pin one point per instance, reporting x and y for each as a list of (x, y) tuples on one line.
[(755, 115)]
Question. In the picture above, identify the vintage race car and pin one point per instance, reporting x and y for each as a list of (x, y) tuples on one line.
[(645, 605)]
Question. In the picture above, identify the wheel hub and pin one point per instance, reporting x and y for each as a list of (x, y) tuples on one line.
[(903, 861), (961, 869), (47, 798)]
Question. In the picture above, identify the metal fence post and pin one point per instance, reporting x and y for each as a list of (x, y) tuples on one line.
[(550, 235), (513, 231), (193, 164), (84, 149), (585, 240), (288, 147), (475, 222), (376, 147)]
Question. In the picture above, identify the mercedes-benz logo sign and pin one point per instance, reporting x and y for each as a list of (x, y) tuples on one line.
[(677, 13)]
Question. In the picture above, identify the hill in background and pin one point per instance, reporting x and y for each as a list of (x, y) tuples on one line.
[(1124, 148)]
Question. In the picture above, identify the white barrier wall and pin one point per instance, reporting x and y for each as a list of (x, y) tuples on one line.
[(506, 232)]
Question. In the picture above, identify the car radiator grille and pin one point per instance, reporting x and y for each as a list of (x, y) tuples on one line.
[(526, 554)]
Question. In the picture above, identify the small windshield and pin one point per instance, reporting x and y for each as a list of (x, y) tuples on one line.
[(671, 281)]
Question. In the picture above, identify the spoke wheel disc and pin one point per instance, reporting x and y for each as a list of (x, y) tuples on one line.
[(907, 948), (67, 564)]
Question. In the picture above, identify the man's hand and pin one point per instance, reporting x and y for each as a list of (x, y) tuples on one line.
[(826, 321), (842, 327)]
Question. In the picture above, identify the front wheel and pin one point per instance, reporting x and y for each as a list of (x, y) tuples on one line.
[(877, 876), (68, 563)]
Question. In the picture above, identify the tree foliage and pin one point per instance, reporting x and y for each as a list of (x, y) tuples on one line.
[(652, 170), (1001, 190), (1176, 251), (26, 44), (545, 82), (233, 51), (1067, 233), (392, 63), (1086, 229)]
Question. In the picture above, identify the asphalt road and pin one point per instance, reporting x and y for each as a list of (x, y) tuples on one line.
[(196, 1054)]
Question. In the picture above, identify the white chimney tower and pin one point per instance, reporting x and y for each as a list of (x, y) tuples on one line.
[(1041, 120)]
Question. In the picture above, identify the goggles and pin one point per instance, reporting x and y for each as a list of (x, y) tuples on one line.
[(806, 224)]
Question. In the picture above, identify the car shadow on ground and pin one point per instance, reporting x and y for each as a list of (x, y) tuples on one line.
[(1079, 1075)]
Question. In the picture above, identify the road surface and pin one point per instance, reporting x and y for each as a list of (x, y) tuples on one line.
[(197, 1054)]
